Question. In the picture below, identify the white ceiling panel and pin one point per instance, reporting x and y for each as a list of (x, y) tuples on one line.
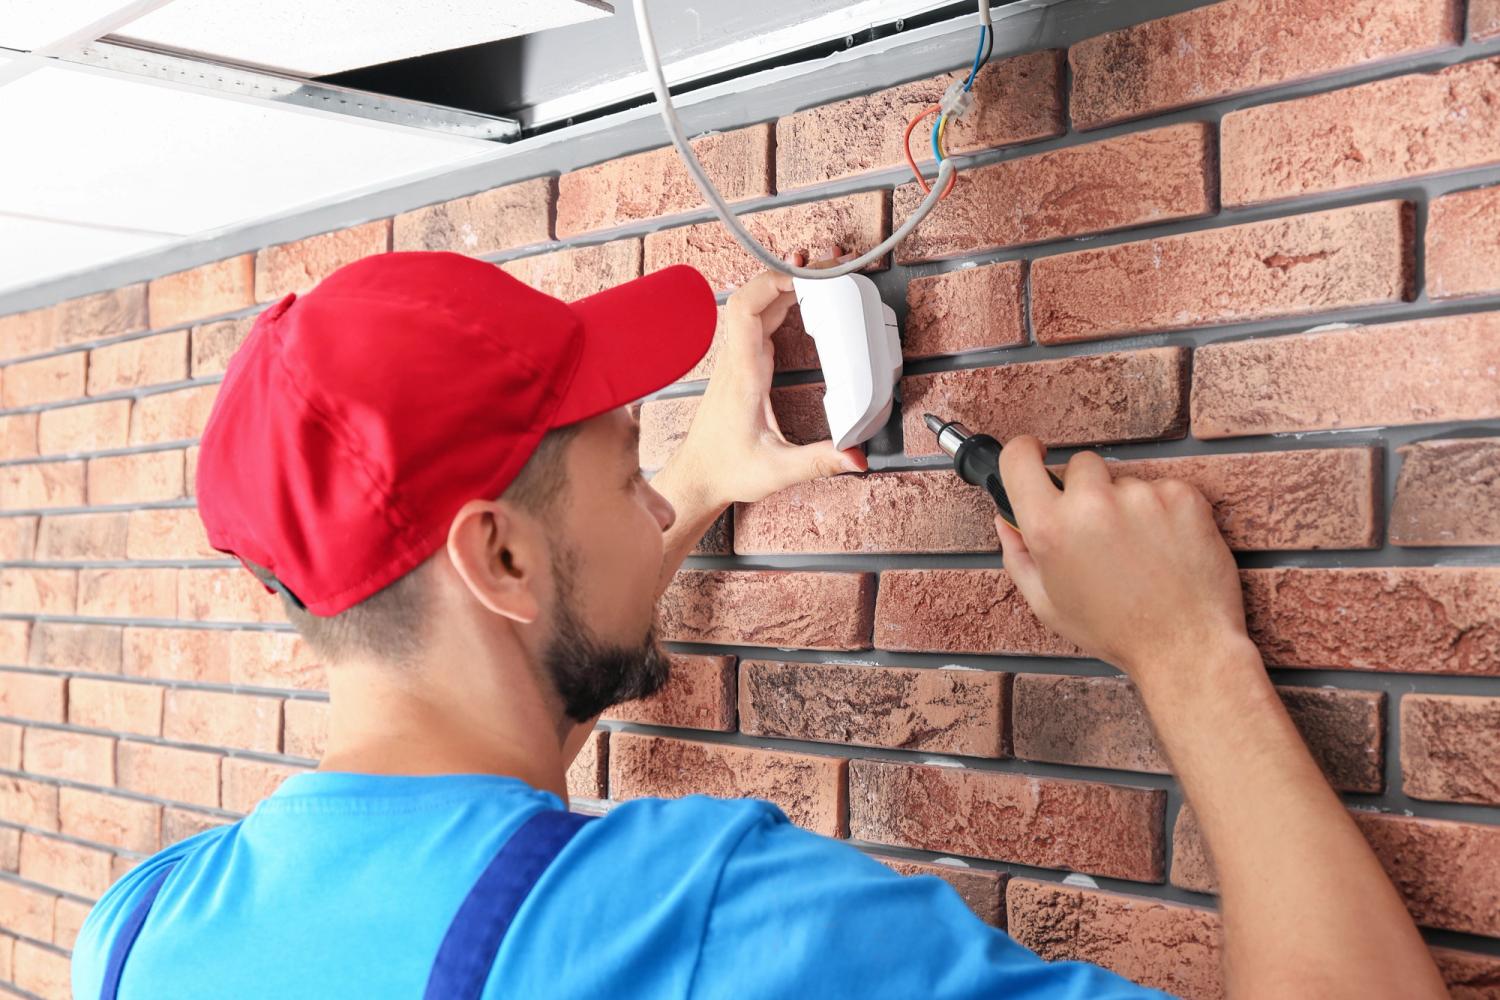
[(30, 24), (117, 152), (33, 250), (316, 38)]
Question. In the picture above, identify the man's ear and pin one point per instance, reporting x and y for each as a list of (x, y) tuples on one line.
[(498, 555)]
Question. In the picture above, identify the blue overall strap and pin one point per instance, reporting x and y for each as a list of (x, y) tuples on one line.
[(468, 951), (126, 938)]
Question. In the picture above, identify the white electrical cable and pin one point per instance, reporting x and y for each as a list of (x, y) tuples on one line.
[(649, 53)]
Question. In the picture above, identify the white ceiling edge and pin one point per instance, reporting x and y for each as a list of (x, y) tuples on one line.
[(38, 249), (47, 28)]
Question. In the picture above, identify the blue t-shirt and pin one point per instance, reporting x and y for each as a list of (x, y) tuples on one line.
[(343, 885)]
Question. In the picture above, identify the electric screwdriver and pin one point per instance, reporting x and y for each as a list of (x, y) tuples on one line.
[(976, 459)]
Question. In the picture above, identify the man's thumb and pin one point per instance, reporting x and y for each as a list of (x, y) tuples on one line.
[(815, 461)]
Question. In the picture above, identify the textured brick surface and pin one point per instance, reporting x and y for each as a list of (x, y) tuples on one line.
[(93, 427), (1469, 975), (220, 287), (176, 654), (18, 435), (190, 776), (1463, 242), (93, 648), (1442, 620), (700, 694), (1345, 257), (937, 711), (1092, 399), (140, 478), (39, 591), (982, 889), (32, 696), (657, 183), (18, 538), (810, 789), (82, 536), (588, 774), (179, 824), (104, 314), (1243, 45), (769, 608), (969, 309), (245, 782), (215, 343), (1015, 100), (110, 819), (81, 757), (172, 416), (222, 718), (1164, 945), (68, 921), (127, 593), (305, 727), (1446, 493), (42, 972), (167, 533), (1052, 823), (854, 222), (499, 219), (275, 659), (1408, 126), (45, 380), (136, 363), (1484, 18), (665, 422), (127, 708), (27, 910), (575, 274), (46, 484), (1131, 180), (297, 267), (1399, 373), (1450, 748), (959, 611)]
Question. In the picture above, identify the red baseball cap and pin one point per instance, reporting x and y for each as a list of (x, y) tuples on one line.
[(357, 418)]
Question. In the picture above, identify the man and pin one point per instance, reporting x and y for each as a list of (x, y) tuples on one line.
[(436, 468)]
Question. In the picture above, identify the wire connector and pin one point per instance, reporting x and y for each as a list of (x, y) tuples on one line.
[(956, 100)]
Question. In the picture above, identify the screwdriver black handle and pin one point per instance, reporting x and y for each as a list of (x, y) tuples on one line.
[(977, 462)]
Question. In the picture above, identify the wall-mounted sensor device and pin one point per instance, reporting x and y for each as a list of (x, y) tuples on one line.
[(859, 348)]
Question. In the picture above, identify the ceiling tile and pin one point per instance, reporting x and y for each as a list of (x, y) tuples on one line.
[(32, 250), (30, 24)]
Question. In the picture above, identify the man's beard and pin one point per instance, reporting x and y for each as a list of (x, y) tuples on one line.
[(591, 675)]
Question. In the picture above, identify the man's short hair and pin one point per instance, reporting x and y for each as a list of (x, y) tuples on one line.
[(390, 624)]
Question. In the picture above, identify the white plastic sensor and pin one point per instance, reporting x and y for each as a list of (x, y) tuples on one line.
[(859, 348)]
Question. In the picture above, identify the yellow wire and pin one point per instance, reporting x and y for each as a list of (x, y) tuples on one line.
[(942, 148)]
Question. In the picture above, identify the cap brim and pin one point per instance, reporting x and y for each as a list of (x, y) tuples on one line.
[(637, 338)]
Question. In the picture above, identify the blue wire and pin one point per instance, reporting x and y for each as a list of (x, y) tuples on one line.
[(968, 85), (935, 152)]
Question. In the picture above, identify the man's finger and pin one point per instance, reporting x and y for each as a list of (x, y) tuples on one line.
[(759, 292), (1025, 478), (1017, 561)]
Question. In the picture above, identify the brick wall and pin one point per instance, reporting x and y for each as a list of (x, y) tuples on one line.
[(1168, 233)]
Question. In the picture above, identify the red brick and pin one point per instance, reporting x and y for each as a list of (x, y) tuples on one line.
[(121, 865), (1484, 18), (112, 313), (951, 711), (155, 475), (182, 654), (1409, 126), (1131, 180), (38, 591), (275, 659), (220, 287), (656, 183), (1442, 620), (793, 349), (64, 646), (1424, 371), (1446, 494), (1463, 243), (94, 427), (1450, 748), (40, 697), (1163, 945), (222, 718), (68, 920), (769, 608), (18, 538), (191, 474), (959, 611), (172, 416), (305, 730), (82, 536), (854, 222), (1240, 46), (15, 637), (1015, 100), (588, 773), (10, 861), (580, 272), (1051, 823), (116, 705), (1089, 399), (718, 540), (665, 422), (1469, 976), (129, 824), (135, 364), (31, 803), (45, 380), (10, 746), (168, 533), (43, 971), (499, 219), (179, 824), (42, 484), (18, 436), (215, 343), (809, 789), (700, 694), (128, 593), (970, 309), (7, 942), (230, 595), (190, 776), (1295, 266), (297, 267), (982, 889), (246, 782), (82, 757), (66, 866), (26, 910)]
